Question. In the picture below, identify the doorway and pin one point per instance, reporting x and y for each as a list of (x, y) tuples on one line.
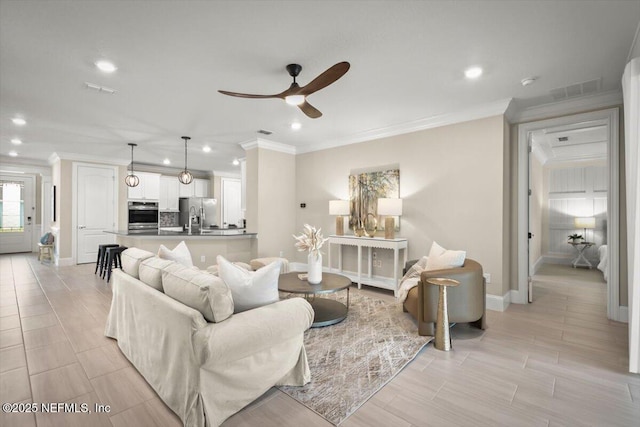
[(17, 213), (95, 199), (231, 201), (606, 122)]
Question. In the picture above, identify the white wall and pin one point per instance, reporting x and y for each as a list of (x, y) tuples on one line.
[(451, 180)]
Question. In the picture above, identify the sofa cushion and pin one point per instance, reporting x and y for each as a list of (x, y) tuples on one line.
[(199, 290), (150, 271), (179, 254), (131, 259), (441, 258), (250, 289)]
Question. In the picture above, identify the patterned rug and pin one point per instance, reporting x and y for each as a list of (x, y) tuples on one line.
[(352, 360)]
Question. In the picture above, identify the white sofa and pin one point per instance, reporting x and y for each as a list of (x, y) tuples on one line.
[(204, 371)]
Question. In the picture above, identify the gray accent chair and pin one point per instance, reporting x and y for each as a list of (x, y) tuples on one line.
[(465, 303)]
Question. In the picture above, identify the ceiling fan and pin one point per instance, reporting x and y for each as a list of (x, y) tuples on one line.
[(296, 94)]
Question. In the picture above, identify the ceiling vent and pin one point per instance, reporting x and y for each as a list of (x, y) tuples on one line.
[(563, 139), (577, 89), (265, 132)]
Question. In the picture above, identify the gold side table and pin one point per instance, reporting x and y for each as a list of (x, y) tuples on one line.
[(443, 338)]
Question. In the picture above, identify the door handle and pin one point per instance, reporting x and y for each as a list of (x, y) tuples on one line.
[(81, 227)]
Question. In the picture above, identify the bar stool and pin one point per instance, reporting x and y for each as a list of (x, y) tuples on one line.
[(102, 250), (113, 258), (45, 252)]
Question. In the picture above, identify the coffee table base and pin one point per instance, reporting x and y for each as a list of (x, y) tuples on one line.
[(327, 312)]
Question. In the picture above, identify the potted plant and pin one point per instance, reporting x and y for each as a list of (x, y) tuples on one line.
[(575, 237)]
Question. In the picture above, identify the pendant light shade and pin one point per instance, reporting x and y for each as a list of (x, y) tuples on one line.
[(185, 176), (131, 180)]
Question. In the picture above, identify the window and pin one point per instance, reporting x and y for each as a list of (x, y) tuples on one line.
[(11, 207)]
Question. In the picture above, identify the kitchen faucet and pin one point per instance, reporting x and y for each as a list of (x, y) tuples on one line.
[(192, 216)]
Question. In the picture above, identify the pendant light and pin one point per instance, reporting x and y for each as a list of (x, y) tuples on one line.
[(185, 176), (131, 180)]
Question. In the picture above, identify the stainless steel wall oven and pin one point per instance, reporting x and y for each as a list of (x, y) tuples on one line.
[(143, 217)]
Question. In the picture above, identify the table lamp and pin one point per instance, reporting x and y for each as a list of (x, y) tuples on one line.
[(390, 208), (339, 208), (585, 222)]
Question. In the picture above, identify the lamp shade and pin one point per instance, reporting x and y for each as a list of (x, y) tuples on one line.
[(389, 206), (339, 207), (585, 222)]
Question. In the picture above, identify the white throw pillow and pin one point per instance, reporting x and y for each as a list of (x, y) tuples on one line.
[(416, 269), (250, 289), (199, 290), (441, 258), (179, 254)]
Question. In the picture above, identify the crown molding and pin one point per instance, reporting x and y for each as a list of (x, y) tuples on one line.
[(57, 156), (473, 113), (20, 166), (571, 106), (269, 145)]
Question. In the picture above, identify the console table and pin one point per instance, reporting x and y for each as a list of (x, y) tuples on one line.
[(371, 242)]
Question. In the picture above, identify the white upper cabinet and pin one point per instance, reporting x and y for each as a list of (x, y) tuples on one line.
[(201, 187), (147, 189), (187, 190), (169, 189)]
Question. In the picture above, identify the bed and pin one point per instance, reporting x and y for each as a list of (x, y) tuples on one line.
[(603, 265)]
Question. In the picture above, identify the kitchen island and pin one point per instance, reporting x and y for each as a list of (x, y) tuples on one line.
[(233, 244)]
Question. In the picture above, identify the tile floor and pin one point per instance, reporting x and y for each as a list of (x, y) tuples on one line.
[(556, 362)]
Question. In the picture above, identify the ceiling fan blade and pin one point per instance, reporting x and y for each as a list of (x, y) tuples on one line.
[(326, 78), (247, 95), (310, 110)]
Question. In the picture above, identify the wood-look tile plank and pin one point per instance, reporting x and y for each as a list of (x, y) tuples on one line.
[(43, 337), (61, 384), (40, 321), (102, 360), (78, 418), (35, 310), (282, 411), (12, 358), (18, 419), (122, 389), (152, 413), (9, 310), (371, 414), (14, 385), (10, 338), (49, 357), (9, 322)]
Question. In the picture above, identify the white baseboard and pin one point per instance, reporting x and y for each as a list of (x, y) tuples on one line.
[(538, 264), (497, 302)]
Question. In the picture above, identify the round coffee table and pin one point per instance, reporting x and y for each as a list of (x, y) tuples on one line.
[(327, 311)]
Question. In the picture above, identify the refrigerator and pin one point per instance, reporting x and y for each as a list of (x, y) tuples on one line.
[(200, 210)]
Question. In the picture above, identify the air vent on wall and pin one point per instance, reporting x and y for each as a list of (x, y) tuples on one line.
[(577, 89), (265, 132), (563, 139)]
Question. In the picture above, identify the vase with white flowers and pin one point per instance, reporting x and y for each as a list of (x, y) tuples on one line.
[(311, 240)]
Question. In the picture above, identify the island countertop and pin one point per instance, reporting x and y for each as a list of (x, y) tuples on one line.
[(181, 235)]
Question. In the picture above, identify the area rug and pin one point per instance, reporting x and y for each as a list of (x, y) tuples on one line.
[(352, 360)]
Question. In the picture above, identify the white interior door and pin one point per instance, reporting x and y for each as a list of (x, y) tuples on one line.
[(96, 210), (231, 201), (17, 213)]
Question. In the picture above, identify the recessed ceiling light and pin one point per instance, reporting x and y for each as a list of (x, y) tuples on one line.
[(296, 125), (473, 72), (166, 161), (106, 66), (236, 162), (206, 149), (19, 121), (13, 153), (16, 141)]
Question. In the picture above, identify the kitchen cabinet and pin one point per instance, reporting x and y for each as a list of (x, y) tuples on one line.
[(169, 193), (197, 188), (201, 187), (147, 189)]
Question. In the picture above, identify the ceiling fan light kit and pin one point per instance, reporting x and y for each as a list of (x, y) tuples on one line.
[(296, 94), (185, 176), (132, 180)]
